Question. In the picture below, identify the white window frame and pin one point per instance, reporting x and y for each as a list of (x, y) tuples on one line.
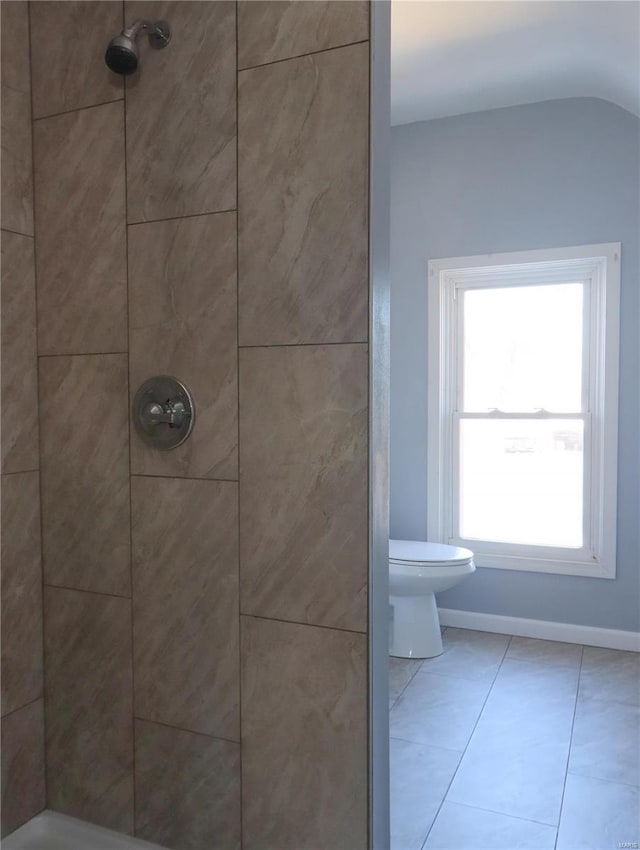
[(599, 267)]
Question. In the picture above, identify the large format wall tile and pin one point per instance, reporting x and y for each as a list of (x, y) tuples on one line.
[(187, 789), (185, 574), (23, 785), (181, 114), (303, 195), (304, 737), (81, 240), (17, 174), (303, 484), (19, 355), (85, 472), (269, 31), (21, 591), (183, 316), (69, 70), (89, 725)]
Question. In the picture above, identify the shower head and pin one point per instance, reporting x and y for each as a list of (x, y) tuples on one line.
[(122, 54)]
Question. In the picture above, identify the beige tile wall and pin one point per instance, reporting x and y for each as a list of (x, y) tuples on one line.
[(23, 785), (85, 472), (89, 732), (81, 238), (23, 780), (304, 737), (303, 190), (303, 286), (208, 220), (181, 116), (185, 624), (183, 320)]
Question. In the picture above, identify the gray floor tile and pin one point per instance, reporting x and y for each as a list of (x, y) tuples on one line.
[(527, 705), (598, 815), (525, 681), (546, 653), (464, 828), (401, 671), (606, 741), (610, 674), (511, 780), (438, 710), (468, 654), (508, 788), (516, 761), (420, 776)]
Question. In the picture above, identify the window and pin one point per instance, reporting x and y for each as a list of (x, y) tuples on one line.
[(523, 402)]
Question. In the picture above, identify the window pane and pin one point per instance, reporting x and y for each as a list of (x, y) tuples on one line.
[(523, 348), (521, 481)]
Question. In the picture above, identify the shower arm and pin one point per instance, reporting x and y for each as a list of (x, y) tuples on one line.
[(157, 31), (136, 27)]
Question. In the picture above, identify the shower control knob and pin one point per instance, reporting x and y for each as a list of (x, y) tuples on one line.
[(169, 414), (163, 412)]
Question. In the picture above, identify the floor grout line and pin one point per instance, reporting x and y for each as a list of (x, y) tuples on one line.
[(417, 670), (422, 744), (566, 769), (504, 815), (411, 678), (600, 779), (480, 713)]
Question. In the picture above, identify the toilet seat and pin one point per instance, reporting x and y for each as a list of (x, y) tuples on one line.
[(422, 554)]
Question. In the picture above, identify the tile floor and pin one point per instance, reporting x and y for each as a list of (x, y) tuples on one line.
[(504, 743)]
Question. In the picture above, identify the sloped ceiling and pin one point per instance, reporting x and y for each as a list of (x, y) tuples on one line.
[(448, 58)]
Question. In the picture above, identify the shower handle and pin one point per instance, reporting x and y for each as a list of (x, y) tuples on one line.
[(163, 412), (171, 413)]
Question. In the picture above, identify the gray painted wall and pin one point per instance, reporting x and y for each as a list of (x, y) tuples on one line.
[(538, 176)]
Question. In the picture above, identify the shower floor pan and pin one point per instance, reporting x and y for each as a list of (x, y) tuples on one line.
[(53, 831)]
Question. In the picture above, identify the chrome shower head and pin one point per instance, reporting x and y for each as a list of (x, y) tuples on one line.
[(123, 56)]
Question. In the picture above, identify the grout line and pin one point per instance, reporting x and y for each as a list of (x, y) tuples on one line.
[(480, 713), (298, 623), (180, 217), (600, 779), (237, 81), (18, 232), (24, 705), (82, 354), (78, 109), (305, 344), (422, 744), (20, 472), (566, 770), (182, 729), (411, 678), (514, 817), (45, 759), (85, 590), (182, 477), (303, 55), (370, 462), (128, 402)]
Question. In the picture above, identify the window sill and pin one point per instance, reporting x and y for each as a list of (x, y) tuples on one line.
[(540, 565)]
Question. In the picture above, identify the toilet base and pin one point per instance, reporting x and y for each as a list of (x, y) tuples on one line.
[(415, 627)]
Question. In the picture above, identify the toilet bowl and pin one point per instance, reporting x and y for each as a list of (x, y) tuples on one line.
[(418, 570)]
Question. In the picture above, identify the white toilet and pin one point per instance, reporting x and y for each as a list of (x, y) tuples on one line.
[(417, 570)]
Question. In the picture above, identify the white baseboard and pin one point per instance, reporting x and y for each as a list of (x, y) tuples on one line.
[(543, 629)]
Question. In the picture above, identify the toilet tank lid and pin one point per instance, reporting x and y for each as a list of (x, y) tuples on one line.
[(421, 550)]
